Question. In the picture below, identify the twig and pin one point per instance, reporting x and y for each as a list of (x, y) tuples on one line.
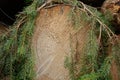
[(99, 38), (21, 22), (103, 25), (46, 2), (51, 6)]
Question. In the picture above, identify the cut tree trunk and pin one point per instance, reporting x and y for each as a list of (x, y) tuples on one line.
[(53, 37), (113, 6), (114, 68)]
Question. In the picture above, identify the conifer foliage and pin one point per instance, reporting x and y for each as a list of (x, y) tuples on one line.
[(16, 55)]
